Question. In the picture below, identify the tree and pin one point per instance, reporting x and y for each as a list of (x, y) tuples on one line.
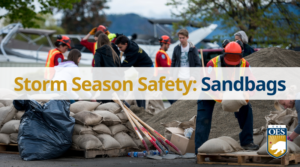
[(264, 21), (25, 11), (84, 16)]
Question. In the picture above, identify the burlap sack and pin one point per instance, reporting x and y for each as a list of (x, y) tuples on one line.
[(108, 142), (4, 138), (296, 140), (101, 128), (294, 124), (234, 144), (154, 106), (118, 128), (140, 144), (284, 117), (129, 126), (86, 142), (215, 146), (6, 114), (122, 117), (88, 118), (83, 106), (133, 134), (72, 114), (171, 124), (257, 139), (14, 138), (19, 115), (188, 124), (232, 105), (11, 126), (292, 148), (111, 107), (125, 140), (6, 102), (81, 130), (109, 118)]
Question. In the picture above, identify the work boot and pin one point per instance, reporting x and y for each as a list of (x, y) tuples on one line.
[(251, 146)]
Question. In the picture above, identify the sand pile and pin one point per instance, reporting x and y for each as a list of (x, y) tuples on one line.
[(224, 123)]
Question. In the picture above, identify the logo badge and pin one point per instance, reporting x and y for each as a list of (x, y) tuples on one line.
[(277, 140)]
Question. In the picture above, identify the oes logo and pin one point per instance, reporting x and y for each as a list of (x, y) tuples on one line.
[(277, 140)]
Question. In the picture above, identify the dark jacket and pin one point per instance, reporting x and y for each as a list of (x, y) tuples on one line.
[(114, 46), (104, 58), (193, 56), (247, 50), (136, 56)]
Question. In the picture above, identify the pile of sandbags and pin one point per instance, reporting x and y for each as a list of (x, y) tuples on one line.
[(102, 127), (222, 144), (9, 127)]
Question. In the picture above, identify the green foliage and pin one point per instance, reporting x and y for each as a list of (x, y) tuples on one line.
[(25, 10), (264, 21)]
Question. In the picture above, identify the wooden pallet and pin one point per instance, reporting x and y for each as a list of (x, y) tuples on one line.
[(247, 158), (103, 153), (9, 149)]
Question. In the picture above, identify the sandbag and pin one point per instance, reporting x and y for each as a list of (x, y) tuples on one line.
[(101, 128), (2, 105), (109, 118), (133, 134), (232, 105), (215, 145), (6, 102), (72, 114), (14, 138), (257, 139), (11, 126), (118, 128), (4, 138), (88, 118), (45, 132), (111, 107), (154, 106), (125, 140), (140, 144), (234, 144), (122, 117), (108, 142), (86, 142), (294, 124), (83, 106), (292, 148), (6, 114), (19, 115), (81, 130), (296, 140), (129, 126)]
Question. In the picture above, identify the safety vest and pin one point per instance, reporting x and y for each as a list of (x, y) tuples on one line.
[(50, 63), (217, 63), (95, 48), (169, 61)]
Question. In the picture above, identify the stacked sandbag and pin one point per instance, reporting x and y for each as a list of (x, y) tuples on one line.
[(100, 127), (9, 132), (286, 117), (222, 144), (8, 125)]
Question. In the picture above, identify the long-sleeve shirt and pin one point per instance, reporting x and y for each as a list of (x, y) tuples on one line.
[(297, 106), (90, 46)]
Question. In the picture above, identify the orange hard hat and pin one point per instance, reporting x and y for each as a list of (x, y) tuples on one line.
[(165, 39), (102, 28), (233, 53), (64, 40)]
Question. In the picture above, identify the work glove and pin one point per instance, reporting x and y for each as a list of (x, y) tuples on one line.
[(93, 31), (111, 36)]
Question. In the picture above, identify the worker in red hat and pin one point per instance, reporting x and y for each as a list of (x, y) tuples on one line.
[(231, 57), (162, 59), (55, 56), (92, 46)]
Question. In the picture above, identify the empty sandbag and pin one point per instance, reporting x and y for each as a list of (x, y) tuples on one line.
[(234, 144), (101, 128), (6, 114), (13, 138), (122, 117), (4, 138), (108, 142), (109, 118), (292, 148), (118, 128), (87, 118), (6, 102), (11, 126), (111, 107), (83, 106), (125, 140), (19, 115), (81, 130), (215, 145), (86, 142)]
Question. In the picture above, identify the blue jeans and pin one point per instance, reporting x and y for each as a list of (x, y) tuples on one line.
[(204, 117)]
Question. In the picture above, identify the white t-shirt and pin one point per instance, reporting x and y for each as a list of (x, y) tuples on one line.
[(184, 72)]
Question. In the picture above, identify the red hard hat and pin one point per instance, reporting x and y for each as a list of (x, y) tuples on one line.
[(102, 28), (233, 53), (165, 39), (64, 40)]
